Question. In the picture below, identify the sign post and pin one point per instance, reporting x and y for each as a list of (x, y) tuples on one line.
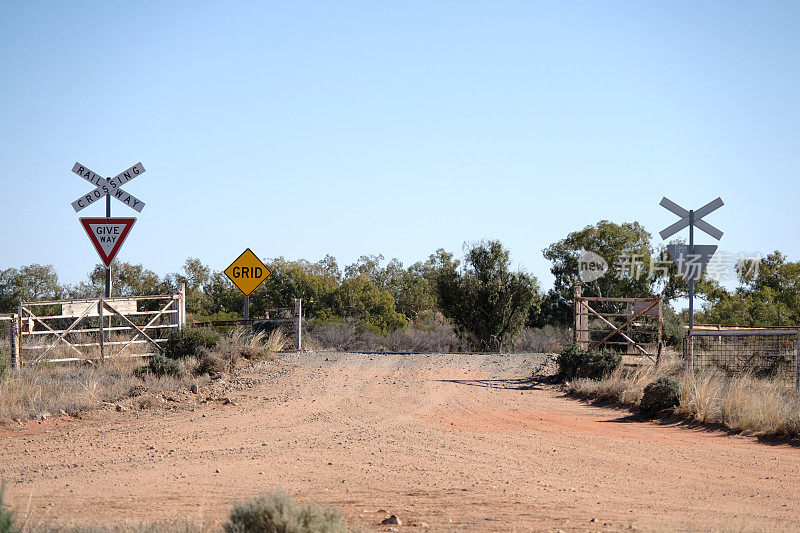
[(247, 272), (691, 260)]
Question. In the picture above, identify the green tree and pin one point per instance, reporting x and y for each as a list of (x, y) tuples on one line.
[(126, 280), (625, 247), (28, 283), (768, 295), (196, 277), (414, 292), (313, 282), (360, 298), (487, 303)]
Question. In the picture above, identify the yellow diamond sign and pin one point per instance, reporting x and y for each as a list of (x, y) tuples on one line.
[(247, 272)]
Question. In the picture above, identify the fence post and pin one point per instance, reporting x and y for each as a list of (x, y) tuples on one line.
[(100, 312), (298, 323), (577, 323), (16, 328), (660, 336), (797, 364), (178, 318), (182, 313)]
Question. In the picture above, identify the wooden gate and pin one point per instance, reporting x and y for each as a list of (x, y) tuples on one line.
[(95, 328), (631, 326)]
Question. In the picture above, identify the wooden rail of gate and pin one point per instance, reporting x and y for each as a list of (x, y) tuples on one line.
[(43, 320), (625, 324)]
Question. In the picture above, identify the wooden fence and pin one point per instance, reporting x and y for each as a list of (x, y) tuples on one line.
[(70, 330)]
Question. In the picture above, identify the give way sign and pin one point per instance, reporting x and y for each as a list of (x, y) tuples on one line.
[(107, 235)]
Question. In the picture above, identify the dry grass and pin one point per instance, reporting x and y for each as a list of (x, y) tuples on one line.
[(625, 385), (50, 389), (252, 346), (744, 404)]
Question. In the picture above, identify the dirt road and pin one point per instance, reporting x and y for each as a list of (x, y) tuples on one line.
[(444, 442)]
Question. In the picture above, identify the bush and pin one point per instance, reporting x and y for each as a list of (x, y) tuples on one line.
[(189, 341), (210, 363), (660, 395), (574, 363), (277, 513), (160, 366)]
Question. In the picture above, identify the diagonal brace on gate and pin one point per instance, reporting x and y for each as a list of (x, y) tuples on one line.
[(152, 320), (60, 336), (134, 326), (618, 330)]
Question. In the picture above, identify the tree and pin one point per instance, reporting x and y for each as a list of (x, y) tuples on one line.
[(768, 295), (625, 247), (28, 283), (360, 298), (313, 282), (487, 303), (126, 280), (413, 291)]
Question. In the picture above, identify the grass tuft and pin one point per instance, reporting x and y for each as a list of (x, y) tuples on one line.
[(277, 513)]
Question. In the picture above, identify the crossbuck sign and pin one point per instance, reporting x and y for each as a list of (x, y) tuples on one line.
[(108, 187)]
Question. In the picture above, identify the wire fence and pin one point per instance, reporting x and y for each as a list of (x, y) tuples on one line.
[(764, 353)]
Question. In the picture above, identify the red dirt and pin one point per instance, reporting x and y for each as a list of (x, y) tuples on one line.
[(425, 437)]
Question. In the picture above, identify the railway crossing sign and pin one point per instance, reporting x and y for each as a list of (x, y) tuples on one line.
[(689, 218), (107, 235), (247, 272), (108, 187)]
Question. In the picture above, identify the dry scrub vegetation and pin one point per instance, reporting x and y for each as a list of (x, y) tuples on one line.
[(48, 389), (274, 512), (744, 404)]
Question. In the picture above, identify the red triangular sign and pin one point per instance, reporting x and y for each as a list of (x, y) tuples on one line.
[(107, 235)]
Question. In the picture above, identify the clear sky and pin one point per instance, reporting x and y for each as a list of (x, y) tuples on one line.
[(309, 128)]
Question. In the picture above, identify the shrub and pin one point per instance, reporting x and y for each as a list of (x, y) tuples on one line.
[(277, 513), (573, 363), (487, 302), (160, 366), (660, 395), (189, 341), (210, 363)]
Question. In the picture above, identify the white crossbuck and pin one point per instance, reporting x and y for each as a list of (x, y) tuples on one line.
[(698, 215), (108, 187)]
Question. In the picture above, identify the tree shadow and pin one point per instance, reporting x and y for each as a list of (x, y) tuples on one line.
[(530, 383)]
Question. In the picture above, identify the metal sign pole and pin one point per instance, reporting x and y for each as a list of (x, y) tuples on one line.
[(247, 308), (690, 339), (108, 268), (691, 281), (108, 280)]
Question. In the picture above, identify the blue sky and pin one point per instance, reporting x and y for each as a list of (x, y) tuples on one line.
[(309, 128)]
